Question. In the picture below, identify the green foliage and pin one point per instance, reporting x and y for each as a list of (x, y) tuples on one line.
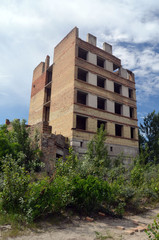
[(153, 230), (97, 153), (150, 131), (87, 183), (15, 184), (89, 193), (18, 143)]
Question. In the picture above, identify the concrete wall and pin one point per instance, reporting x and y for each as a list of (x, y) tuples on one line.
[(92, 79)]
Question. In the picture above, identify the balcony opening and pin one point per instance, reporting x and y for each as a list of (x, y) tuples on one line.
[(100, 123), (100, 82), (82, 53), (46, 114), (101, 103), (131, 112), (132, 132), (118, 108), (130, 93), (49, 76), (82, 97), (117, 88), (48, 94), (81, 122), (82, 75), (116, 68), (100, 62), (118, 130)]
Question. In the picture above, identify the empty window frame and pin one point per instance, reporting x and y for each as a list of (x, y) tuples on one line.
[(132, 132), (131, 112), (82, 74), (130, 93), (118, 108), (101, 103), (100, 123), (115, 68), (82, 53), (48, 94), (118, 130), (81, 122), (100, 82), (49, 77), (117, 88), (100, 62), (82, 97), (46, 113)]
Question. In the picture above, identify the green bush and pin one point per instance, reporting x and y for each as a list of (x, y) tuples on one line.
[(15, 184), (90, 193)]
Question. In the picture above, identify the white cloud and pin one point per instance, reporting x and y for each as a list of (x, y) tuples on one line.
[(29, 30)]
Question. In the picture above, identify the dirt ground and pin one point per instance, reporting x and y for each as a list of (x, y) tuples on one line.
[(102, 227)]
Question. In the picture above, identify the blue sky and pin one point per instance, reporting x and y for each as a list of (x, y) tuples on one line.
[(29, 30)]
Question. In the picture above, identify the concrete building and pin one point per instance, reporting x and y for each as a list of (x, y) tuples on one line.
[(85, 87)]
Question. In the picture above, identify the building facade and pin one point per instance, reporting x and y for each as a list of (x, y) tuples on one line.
[(85, 87)]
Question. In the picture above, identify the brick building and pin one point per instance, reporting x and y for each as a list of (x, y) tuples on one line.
[(85, 87)]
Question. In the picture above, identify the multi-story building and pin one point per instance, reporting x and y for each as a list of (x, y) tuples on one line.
[(85, 87)]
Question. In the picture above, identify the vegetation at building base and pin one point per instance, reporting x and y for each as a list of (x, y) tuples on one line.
[(88, 185)]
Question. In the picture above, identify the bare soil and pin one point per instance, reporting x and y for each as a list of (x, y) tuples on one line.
[(76, 228)]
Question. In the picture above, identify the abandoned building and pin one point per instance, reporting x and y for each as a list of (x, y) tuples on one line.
[(86, 86)]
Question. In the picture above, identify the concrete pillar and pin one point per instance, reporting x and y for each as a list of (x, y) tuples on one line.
[(92, 100), (111, 128), (107, 47), (92, 58), (110, 106), (92, 124), (91, 39), (125, 91), (92, 78), (126, 112), (110, 85), (47, 62), (108, 65), (124, 73)]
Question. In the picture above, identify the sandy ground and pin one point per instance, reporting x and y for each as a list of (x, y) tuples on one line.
[(103, 227)]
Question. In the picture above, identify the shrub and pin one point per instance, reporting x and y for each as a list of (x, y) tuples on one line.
[(15, 184), (90, 193)]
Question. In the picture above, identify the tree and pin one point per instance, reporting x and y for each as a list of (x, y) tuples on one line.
[(150, 136), (16, 142), (97, 153)]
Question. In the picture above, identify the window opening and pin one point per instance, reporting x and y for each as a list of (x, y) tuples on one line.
[(117, 88), (100, 62), (132, 132), (130, 93), (118, 130), (82, 53), (82, 75), (101, 103), (118, 108), (131, 112), (82, 97), (46, 113), (48, 94), (81, 122), (111, 149), (58, 156), (115, 68), (100, 82), (100, 123)]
